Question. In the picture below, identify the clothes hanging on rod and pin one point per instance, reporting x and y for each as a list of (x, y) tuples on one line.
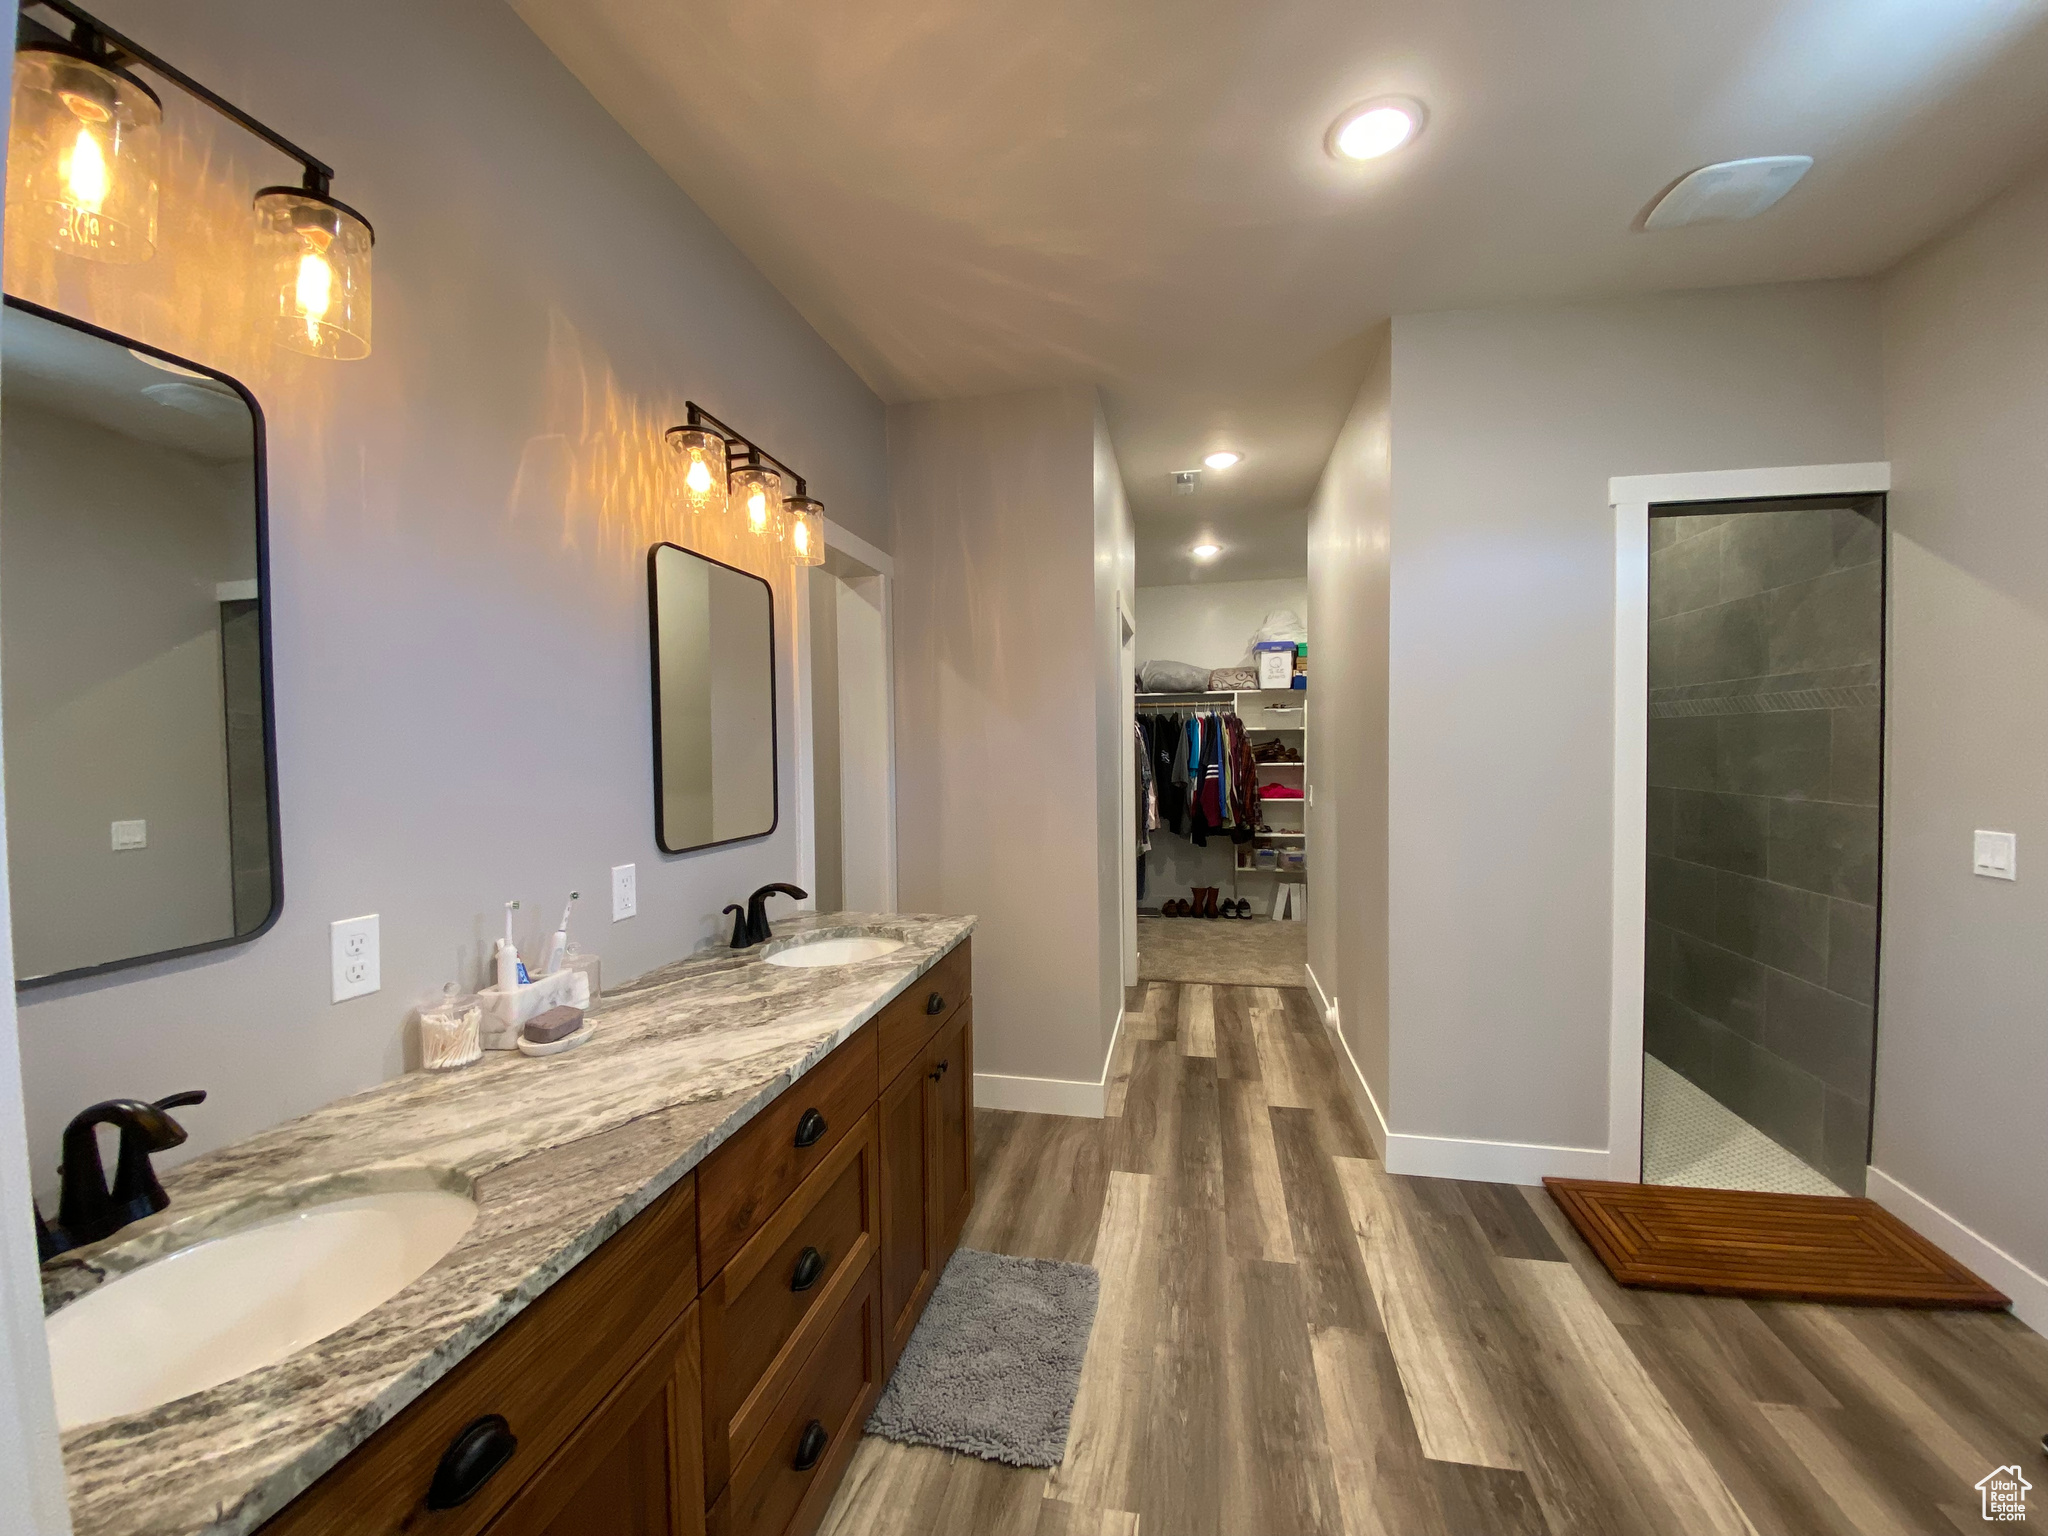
[(1204, 773)]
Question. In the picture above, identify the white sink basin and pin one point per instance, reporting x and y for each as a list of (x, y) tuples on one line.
[(835, 951), (230, 1305)]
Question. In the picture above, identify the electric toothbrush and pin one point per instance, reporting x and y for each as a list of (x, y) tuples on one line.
[(558, 946)]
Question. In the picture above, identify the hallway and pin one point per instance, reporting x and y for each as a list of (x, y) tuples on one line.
[(1292, 1341)]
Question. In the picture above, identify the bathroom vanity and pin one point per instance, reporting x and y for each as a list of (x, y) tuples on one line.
[(701, 1242)]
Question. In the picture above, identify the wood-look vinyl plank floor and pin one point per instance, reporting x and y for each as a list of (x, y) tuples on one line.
[(1293, 1342)]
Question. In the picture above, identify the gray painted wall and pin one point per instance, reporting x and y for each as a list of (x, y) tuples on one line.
[(1349, 570), (1766, 639), (460, 527), (1507, 424), (1962, 1046), (999, 669)]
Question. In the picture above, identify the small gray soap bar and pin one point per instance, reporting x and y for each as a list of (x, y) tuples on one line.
[(557, 1023)]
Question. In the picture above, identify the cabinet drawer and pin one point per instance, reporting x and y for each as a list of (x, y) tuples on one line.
[(741, 1184), (909, 1021), (544, 1373), (759, 1327), (774, 1490)]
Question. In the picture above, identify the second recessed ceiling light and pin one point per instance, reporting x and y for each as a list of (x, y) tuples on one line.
[(1206, 551), (1222, 460), (1377, 127)]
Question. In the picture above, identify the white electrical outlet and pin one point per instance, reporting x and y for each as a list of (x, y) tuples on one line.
[(358, 961), (1996, 856), (129, 835), (625, 892)]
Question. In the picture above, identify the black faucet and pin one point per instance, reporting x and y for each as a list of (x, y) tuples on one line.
[(754, 928), (87, 1210)]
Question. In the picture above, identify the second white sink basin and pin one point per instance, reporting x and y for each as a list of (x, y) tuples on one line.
[(230, 1305), (835, 951)]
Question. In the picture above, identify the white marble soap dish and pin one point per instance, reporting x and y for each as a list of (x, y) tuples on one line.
[(555, 1047)]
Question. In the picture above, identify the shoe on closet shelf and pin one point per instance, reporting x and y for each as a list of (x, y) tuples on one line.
[(1244, 909), (1209, 895)]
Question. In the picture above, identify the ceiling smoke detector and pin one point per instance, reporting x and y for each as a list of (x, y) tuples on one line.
[(1186, 482), (1731, 190)]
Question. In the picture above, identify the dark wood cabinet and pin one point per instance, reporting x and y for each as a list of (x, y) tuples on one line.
[(710, 1367), (632, 1469)]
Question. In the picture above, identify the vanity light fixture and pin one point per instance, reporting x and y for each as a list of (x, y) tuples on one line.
[(1222, 459), (85, 156), (717, 462), (1375, 128), (701, 468)]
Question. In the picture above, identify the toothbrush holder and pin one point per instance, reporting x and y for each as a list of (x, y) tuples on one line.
[(506, 1009)]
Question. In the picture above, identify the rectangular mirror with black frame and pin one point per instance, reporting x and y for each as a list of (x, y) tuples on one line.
[(714, 701), (135, 685)]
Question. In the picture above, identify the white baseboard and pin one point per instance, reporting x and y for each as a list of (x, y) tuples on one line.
[(2028, 1290), (1049, 1095), (1326, 1005)]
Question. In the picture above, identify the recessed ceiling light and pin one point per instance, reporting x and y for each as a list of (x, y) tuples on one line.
[(1222, 460), (1206, 551), (1377, 127)]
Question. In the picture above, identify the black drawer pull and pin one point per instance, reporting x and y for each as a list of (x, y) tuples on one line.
[(472, 1459), (809, 1265), (810, 1128), (811, 1447), (936, 1003)]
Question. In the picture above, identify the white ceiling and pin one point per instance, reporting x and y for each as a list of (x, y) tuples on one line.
[(993, 194)]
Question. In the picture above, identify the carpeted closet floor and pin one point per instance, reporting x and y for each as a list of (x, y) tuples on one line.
[(1253, 953)]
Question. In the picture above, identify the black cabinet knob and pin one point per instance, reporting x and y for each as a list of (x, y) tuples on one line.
[(810, 1446), (472, 1459), (809, 1265), (810, 1128), (936, 1003)]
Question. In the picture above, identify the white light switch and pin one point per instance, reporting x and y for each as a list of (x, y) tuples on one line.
[(1997, 855), (130, 834), (358, 965), (625, 892)]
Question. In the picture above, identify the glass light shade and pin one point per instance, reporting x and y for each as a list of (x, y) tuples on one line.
[(803, 523), (84, 156), (317, 252), (700, 469), (757, 496)]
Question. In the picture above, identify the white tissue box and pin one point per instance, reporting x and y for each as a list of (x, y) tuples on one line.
[(506, 1009)]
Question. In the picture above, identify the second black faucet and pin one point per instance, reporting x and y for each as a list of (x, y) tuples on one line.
[(751, 927)]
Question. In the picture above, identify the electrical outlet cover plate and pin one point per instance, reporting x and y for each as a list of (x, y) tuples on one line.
[(357, 957), (625, 892)]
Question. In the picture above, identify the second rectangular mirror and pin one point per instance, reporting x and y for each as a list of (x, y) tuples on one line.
[(714, 701)]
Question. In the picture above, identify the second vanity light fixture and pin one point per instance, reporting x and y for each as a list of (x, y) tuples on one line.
[(719, 470), (85, 160)]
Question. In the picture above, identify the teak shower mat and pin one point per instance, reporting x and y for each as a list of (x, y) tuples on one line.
[(1725, 1242)]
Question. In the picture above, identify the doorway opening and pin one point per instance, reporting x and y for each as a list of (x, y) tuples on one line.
[(852, 735), (1763, 840)]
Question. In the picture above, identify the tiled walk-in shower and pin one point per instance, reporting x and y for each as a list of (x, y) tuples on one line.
[(1766, 648)]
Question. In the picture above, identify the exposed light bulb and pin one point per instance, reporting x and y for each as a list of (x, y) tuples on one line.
[(1206, 551), (699, 477), (85, 173), (757, 510), (1376, 128), (315, 293), (1221, 460), (800, 536)]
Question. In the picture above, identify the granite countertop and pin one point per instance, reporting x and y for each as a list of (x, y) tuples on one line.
[(559, 1152)]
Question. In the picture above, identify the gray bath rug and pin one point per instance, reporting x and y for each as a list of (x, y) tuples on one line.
[(996, 1360)]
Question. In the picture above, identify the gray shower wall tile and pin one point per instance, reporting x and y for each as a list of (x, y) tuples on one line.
[(1772, 1094), (1855, 755), (1657, 947), (1709, 644), (1852, 950), (1682, 896), (1819, 1031), (1685, 752), (1658, 813), (1787, 754), (1858, 538), (1718, 984), (1686, 576), (1833, 621), (1845, 1139), (1776, 925), (1819, 846), (1724, 831), (1679, 1038), (1762, 550)]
